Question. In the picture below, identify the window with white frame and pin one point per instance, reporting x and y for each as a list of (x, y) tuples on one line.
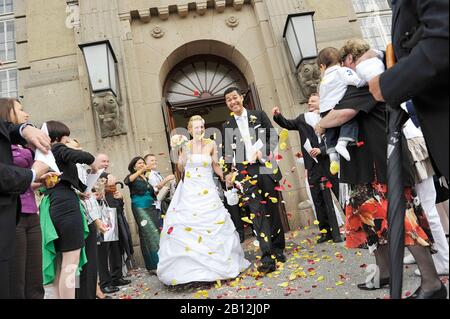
[(375, 18), (8, 83), (377, 30), (6, 6), (7, 41), (370, 5)]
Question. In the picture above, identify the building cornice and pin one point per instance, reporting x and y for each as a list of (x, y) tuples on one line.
[(181, 9)]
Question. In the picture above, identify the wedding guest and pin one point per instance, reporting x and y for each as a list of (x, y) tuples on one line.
[(14, 181), (64, 226), (160, 184), (144, 211), (110, 259), (26, 265)]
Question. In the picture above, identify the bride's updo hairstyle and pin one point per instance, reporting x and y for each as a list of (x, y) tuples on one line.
[(192, 120)]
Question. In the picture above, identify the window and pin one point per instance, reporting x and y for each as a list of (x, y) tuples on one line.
[(370, 5), (7, 41), (6, 6), (377, 30), (375, 18), (8, 83)]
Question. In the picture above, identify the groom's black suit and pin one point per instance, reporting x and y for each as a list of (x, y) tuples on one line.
[(267, 220)]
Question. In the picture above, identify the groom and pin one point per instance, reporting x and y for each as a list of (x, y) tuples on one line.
[(248, 150)]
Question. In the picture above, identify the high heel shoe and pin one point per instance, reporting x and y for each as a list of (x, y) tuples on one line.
[(383, 283), (440, 293)]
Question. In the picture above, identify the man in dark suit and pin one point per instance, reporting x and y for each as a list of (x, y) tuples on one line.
[(258, 181), (420, 36), (316, 171), (13, 182)]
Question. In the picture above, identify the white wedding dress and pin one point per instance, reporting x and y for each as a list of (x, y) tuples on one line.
[(199, 242)]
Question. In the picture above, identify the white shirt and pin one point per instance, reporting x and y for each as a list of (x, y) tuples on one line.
[(370, 68), (242, 122), (334, 85), (154, 178)]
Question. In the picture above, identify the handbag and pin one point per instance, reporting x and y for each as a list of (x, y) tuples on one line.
[(162, 194), (232, 196), (109, 217)]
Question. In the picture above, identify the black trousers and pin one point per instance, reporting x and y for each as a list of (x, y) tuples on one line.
[(88, 277), (323, 214), (26, 266), (267, 222), (236, 218), (109, 263), (8, 216)]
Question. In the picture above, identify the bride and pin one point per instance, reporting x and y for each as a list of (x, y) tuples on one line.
[(199, 242)]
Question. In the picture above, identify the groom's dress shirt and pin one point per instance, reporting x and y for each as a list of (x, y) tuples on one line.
[(242, 122)]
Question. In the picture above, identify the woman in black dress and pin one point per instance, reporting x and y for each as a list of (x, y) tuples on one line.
[(65, 213)]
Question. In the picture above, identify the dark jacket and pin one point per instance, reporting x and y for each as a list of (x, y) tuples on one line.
[(420, 33), (306, 132), (260, 128), (66, 159), (13, 182)]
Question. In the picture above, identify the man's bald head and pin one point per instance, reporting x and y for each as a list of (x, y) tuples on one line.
[(102, 161)]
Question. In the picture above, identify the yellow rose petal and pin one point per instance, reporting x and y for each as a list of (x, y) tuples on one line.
[(284, 284)]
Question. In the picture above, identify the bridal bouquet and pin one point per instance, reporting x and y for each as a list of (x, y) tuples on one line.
[(178, 141)]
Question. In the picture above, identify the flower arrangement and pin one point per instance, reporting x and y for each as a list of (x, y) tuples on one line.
[(253, 119), (178, 141)]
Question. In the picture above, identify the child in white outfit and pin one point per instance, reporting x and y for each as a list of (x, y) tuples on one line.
[(335, 81)]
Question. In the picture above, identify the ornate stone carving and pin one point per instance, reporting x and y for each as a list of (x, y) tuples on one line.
[(157, 32), (73, 15), (309, 79), (232, 21), (107, 108)]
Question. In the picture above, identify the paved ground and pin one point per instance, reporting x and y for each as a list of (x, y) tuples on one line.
[(325, 271)]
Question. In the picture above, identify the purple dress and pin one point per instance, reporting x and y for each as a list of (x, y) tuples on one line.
[(23, 157)]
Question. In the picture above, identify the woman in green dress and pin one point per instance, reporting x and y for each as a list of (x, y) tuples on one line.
[(144, 210)]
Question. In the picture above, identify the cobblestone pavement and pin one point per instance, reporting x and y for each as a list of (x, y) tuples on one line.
[(320, 271)]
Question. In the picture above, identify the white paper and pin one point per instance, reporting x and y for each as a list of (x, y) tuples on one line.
[(309, 148), (256, 147), (92, 179), (48, 158)]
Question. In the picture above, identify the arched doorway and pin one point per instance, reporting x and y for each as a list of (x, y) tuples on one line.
[(195, 86)]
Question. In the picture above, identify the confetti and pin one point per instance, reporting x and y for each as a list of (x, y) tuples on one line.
[(316, 222), (170, 230), (144, 223), (200, 239), (188, 229), (220, 223), (320, 278), (339, 283), (269, 165), (247, 220), (284, 284)]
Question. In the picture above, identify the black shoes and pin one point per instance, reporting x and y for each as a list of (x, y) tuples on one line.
[(440, 293), (241, 237), (281, 258), (324, 238), (383, 283), (338, 240), (266, 268), (121, 282), (109, 289)]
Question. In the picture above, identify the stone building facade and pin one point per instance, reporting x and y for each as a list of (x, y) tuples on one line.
[(159, 44)]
